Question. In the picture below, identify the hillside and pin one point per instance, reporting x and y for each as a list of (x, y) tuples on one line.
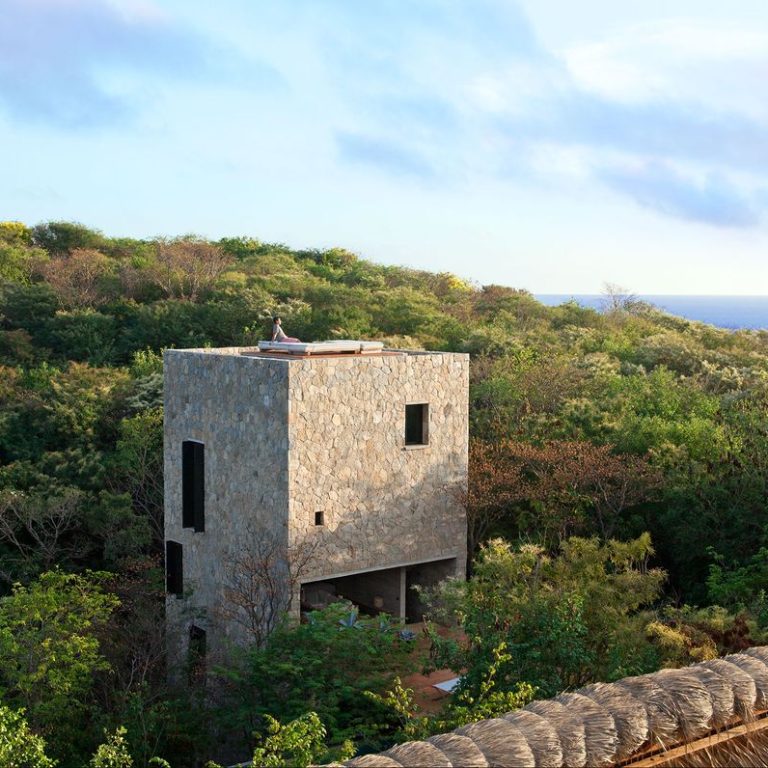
[(583, 423)]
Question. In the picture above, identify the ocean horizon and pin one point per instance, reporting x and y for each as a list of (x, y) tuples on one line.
[(731, 312)]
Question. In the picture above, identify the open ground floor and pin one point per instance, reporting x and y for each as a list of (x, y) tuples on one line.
[(384, 590)]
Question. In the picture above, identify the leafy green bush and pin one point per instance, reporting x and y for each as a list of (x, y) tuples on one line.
[(19, 747), (49, 655), (321, 666), (563, 621)]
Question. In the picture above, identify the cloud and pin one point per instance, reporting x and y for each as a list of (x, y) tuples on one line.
[(671, 130), (664, 114), (73, 63), (383, 154), (678, 160), (721, 66), (458, 94), (712, 200), (410, 83), (395, 33)]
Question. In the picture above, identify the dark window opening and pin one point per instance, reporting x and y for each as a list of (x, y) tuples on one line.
[(174, 570), (417, 424), (197, 652), (319, 518), (193, 485)]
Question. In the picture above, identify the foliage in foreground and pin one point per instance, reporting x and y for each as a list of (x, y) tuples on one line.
[(322, 666), (463, 707), (19, 747), (564, 621), (50, 654), (300, 743)]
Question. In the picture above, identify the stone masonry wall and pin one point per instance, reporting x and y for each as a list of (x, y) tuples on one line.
[(238, 408), (384, 504), (287, 437)]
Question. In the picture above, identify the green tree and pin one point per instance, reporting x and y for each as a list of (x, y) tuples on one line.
[(49, 654), (138, 466), (741, 587), (61, 237), (564, 621), (19, 747), (297, 744), (113, 753), (83, 335), (323, 666), (29, 308), (463, 707), (15, 233), (18, 258)]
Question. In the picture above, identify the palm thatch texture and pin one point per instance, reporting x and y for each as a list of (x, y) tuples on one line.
[(499, 740), (742, 685), (599, 728), (758, 671), (541, 736), (659, 705), (691, 700), (630, 716), (570, 730), (604, 724)]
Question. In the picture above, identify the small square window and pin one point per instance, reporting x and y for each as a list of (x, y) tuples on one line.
[(319, 518), (417, 424)]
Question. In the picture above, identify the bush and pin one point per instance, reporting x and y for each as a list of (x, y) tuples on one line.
[(564, 621), (19, 747), (322, 666)]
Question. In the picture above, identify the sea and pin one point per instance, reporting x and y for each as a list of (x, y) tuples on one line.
[(724, 311)]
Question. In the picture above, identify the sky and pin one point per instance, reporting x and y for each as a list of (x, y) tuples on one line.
[(542, 144)]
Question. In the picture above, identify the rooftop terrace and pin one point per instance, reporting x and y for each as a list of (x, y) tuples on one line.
[(317, 349)]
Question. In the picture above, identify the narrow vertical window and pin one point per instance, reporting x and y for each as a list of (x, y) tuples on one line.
[(417, 424), (319, 518), (193, 485), (174, 568), (197, 652)]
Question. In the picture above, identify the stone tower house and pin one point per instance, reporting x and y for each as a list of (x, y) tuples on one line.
[(293, 479)]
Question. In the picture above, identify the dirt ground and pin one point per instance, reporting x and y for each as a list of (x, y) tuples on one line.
[(428, 698)]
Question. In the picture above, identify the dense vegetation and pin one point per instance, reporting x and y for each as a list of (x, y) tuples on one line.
[(593, 435)]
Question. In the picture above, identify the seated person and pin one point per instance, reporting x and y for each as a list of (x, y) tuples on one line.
[(278, 334)]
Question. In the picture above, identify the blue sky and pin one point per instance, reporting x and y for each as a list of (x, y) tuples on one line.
[(546, 145)]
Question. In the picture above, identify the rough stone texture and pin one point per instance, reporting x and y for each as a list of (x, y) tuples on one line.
[(239, 411), (384, 504), (288, 437)]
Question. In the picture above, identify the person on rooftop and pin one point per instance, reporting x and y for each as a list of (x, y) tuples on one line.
[(278, 334)]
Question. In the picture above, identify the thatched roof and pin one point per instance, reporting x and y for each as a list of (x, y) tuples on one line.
[(636, 721)]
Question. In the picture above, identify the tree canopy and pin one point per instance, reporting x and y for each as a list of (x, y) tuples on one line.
[(592, 434)]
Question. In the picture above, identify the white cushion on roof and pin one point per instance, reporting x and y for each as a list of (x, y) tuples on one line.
[(320, 347)]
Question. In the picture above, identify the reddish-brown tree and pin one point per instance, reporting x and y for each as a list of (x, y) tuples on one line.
[(78, 277), (555, 489), (185, 267)]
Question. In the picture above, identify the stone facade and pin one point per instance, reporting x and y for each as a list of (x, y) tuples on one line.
[(383, 503), (287, 438)]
